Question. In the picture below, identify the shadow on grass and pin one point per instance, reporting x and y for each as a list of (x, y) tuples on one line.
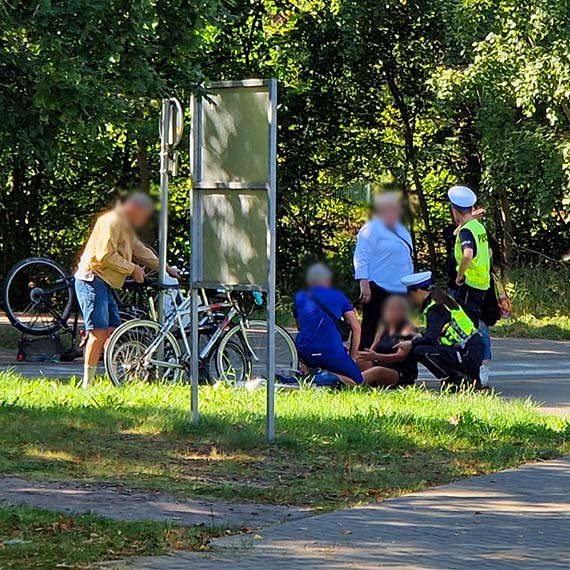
[(325, 463)]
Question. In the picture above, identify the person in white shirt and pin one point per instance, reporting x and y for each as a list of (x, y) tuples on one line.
[(383, 255)]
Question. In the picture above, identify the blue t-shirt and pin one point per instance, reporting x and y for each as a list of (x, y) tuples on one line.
[(317, 330)]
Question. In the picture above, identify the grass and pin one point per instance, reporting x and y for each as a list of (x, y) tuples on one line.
[(541, 301), (33, 539), (333, 448), (540, 291), (529, 326)]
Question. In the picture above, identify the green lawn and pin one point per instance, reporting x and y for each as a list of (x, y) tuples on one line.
[(332, 448), (34, 539), (529, 326)]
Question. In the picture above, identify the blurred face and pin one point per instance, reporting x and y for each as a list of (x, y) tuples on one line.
[(390, 213), (137, 215), (321, 282), (395, 311)]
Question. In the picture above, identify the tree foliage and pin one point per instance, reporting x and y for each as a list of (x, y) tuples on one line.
[(413, 93)]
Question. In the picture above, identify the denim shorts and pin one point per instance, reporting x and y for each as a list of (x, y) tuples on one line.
[(98, 304)]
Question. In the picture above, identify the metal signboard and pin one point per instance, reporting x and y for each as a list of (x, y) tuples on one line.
[(233, 153)]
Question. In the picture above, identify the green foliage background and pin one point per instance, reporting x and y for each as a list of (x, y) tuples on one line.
[(418, 94)]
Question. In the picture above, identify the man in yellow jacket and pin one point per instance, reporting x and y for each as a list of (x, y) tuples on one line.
[(106, 262)]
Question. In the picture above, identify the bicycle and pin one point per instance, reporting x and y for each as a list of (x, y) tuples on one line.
[(39, 297), (145, 350)]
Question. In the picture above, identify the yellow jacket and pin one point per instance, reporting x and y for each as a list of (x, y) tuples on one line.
[(110, 251)]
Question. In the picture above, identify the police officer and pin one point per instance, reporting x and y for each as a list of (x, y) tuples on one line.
[(471, 252), (451, 347)]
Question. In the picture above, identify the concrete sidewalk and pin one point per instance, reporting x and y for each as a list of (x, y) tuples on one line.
[(125, 504), (518, 518)]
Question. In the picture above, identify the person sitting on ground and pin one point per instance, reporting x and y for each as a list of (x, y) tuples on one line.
[(383, 365), (451, 347), (319, 342)]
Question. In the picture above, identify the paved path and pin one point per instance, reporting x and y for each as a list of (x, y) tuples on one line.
[(515, 519), (521, 368), (539, 369), (123, 504)]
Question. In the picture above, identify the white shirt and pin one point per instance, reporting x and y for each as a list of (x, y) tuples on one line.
[(383, 255), (82, 273)]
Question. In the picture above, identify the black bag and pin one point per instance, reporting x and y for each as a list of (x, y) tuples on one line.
[(341, 325)]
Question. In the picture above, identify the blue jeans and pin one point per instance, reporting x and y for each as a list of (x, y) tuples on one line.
[(486, 338), (98, 304)]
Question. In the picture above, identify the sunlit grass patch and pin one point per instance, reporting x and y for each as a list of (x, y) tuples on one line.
[(332, 448), (555, 327)]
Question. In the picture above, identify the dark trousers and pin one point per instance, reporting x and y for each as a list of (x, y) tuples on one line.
[(371, 313), (452, 362), (471, 300)]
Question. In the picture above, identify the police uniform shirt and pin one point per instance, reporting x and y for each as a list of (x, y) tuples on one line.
[(468, 240), (436, 318)]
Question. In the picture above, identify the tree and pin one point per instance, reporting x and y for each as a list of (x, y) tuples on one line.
[(79, 106)]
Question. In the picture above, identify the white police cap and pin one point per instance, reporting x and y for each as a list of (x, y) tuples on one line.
[(417, 280), (462, 197)]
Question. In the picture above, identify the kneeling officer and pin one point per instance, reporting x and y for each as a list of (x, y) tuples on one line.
[(451, 347)]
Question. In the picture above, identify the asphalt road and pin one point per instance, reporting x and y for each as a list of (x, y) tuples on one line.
[(520, 368)]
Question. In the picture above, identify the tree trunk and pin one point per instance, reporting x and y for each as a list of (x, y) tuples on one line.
[(411, 158), (144, 169)]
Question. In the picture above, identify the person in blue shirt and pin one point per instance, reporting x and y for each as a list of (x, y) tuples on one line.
[(319, 341)]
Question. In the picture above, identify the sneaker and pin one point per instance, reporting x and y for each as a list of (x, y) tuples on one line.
[(484, 375)]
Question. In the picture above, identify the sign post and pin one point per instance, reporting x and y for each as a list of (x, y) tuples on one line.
[(234, 150), (171, 127)]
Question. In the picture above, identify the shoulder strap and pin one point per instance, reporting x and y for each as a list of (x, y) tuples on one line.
[(323, 308), (401, 238)]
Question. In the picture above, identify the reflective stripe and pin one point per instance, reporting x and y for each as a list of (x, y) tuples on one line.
[(459, 330)]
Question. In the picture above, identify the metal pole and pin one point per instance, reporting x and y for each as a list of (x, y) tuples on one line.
[(195, 369), (271, 256), (195, 157), (163, 222)]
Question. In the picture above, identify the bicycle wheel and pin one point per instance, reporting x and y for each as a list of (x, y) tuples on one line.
[(233, 365), (133, 354), (252, 339), (38, 296)]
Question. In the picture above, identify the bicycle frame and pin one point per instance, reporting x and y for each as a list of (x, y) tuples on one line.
[(221, 328), (177, 317)]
